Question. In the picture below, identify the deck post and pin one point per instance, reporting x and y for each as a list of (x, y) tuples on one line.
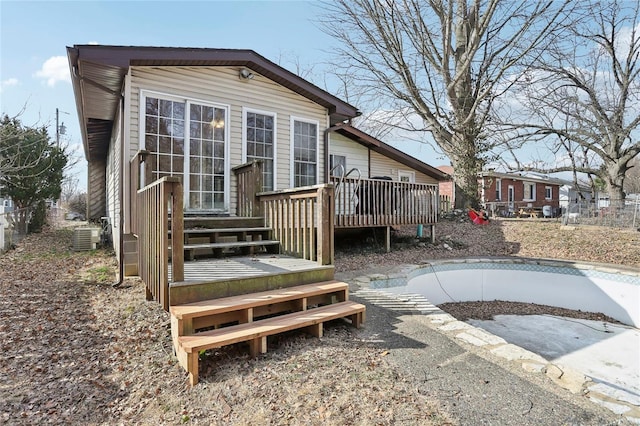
[(177, 233), (387, 239), (326, 211), (433, 234)]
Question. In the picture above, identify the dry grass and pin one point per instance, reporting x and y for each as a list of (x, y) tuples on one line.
[(77, 351), (520, 238)]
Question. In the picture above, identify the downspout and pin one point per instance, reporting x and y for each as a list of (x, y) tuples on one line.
[(326, 155), (121, 202)]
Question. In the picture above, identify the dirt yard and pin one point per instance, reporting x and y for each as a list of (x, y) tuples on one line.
[(77, 351)]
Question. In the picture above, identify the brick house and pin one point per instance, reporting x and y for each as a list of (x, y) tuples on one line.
[(505, 193)]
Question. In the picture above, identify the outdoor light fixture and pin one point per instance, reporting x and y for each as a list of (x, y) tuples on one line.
[(245, 74)]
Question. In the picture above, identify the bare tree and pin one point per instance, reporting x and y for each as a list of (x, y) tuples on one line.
[(583, 100), (632, 180), (444, 61)]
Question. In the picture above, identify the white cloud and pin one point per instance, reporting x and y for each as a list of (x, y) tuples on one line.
[(54, 69), (8, 82), (93, 43)]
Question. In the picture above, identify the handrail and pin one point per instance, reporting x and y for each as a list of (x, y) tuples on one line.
[(249, 184), (302, 220), (377, 202), (340, 176), (357, 186), (155, 208)]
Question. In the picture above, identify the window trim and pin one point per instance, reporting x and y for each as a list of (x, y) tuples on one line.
[(142, 96), (273, 114), (344, 172), (550, 189), (498, 189), (532, 185), (410, 173), (292, 122)]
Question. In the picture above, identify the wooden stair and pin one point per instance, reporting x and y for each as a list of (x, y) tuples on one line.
[(253, 317), (223, 236)]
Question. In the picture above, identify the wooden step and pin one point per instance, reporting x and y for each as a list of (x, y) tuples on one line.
[(217, 248), (232, 244), (256, 333), (244, 308), (199, 289), (222, 221), (226, 230)]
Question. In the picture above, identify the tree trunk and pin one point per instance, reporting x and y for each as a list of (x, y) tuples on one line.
[(466, 166), (614, 179)]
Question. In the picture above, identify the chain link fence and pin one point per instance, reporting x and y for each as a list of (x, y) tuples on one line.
[(13, 226), (603, 214)]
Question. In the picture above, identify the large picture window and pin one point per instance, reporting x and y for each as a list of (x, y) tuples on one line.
[(260, 143), (305, 153), (187, 138)]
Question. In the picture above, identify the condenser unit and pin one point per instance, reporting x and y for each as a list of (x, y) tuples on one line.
[(85, 238)]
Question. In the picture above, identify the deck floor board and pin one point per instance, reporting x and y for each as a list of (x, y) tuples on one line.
[(243, 266)]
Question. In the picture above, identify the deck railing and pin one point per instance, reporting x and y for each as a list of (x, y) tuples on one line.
[(445, 204), (377, 202), (302, 219), (156, 208), (249, 183)]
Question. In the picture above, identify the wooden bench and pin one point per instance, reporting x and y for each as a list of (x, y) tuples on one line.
[(531, 212), (256, 333)]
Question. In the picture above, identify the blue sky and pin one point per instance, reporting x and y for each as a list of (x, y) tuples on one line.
[(33, 36)]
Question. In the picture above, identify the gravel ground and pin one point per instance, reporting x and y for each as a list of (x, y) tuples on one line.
[(77, 351)]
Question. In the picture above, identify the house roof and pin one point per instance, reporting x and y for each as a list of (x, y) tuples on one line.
[(388, 151), (97, 74), (524, 177)]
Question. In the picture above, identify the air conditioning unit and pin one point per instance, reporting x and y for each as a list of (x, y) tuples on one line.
[(85, 238)]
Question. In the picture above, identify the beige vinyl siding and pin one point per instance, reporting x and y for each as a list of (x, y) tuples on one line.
[(357, 155), (221, 85), (385, 166)]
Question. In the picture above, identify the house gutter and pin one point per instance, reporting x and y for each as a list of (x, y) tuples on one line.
[(326, 154), (121, 203)]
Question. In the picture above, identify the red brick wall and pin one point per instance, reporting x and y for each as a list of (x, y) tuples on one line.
[(446, 188), (518, 190)]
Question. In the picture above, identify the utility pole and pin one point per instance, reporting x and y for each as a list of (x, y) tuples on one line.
[(60, 128)]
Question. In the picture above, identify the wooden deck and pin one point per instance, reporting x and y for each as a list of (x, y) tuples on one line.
[(243, 267), (212, 278)]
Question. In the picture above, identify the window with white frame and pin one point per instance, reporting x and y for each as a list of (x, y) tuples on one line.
[(337, 165), (260, 140), (529, 191), (164, 136), (548, 192), (498, 189), (304, 152), (187, 138), (406, 176)]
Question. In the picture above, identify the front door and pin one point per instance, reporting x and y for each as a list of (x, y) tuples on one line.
[(510, 198), (189, 139)]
